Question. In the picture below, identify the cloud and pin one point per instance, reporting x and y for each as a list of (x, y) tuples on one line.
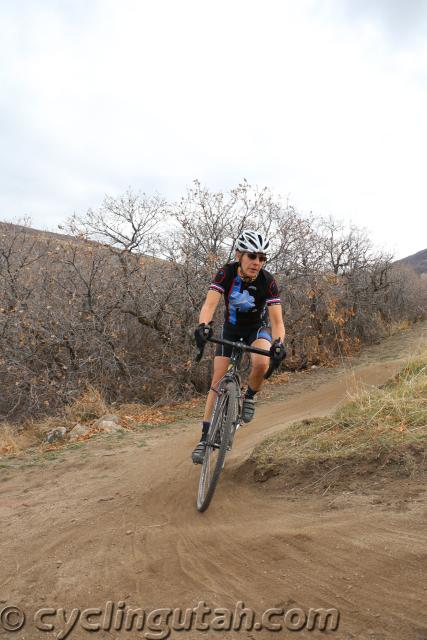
[(403, 24), (309, 98)]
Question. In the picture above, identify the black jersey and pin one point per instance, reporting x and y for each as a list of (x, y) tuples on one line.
[(245, 302)]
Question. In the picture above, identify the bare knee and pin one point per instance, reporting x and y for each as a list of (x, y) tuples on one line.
[(260, 363), (259, 369)]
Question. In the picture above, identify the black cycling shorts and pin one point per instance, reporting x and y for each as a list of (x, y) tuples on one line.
[(248, 337)]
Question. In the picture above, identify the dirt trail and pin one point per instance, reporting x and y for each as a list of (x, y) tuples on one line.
[(115, 520)]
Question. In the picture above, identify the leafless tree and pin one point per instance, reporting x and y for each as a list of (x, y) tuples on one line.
[(114, 303)]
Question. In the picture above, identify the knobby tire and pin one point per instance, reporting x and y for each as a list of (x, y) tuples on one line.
[(224, 419)]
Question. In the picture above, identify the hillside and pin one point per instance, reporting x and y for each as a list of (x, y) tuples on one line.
[(418, 261), (40, 237), (10, 228)]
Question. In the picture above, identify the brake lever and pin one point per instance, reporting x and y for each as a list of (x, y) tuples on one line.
[(270, 369), (273, 365)]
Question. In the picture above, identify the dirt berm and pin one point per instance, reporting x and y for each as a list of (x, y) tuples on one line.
[(115, 520)]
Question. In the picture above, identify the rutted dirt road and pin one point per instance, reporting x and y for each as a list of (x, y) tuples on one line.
[(115, 520)]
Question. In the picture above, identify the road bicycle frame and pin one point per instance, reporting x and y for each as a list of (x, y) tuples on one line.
[(232, 375)]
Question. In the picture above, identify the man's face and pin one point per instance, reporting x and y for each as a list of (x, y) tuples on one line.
[(251, 263)]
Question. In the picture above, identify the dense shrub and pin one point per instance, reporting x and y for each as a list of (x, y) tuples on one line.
[(113, 304)]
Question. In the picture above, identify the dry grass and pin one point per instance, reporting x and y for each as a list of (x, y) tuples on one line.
[(89, 406), (85, 409), (9, 440), (398, 327), (12, 441), (145, 416), (385, 427)]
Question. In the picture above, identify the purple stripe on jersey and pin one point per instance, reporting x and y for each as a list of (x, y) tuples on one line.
[(273, 301), (215, 286)]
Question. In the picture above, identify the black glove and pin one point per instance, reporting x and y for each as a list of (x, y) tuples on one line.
[(202, 333), (277, 351)]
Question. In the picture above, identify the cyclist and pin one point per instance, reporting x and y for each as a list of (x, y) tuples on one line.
[(248, 289)]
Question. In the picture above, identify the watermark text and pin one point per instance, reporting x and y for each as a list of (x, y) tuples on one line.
[(158, 624)]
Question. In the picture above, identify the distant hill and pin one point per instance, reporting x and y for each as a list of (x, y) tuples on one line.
[(418, 261), (10, 228), (40, 237)]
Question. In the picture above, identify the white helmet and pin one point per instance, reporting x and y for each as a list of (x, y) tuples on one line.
[(252, 241)]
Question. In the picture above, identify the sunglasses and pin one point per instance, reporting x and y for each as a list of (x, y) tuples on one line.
[(254, 256)]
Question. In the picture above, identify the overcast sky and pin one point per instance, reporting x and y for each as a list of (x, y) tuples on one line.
[(324, 101)]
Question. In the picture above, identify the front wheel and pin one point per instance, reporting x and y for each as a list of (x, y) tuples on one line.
[(220, 436)]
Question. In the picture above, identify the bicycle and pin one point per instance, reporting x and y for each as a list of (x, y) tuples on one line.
[(226, 419)]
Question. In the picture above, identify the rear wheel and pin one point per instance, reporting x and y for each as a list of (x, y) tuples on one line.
[(221, 433)]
